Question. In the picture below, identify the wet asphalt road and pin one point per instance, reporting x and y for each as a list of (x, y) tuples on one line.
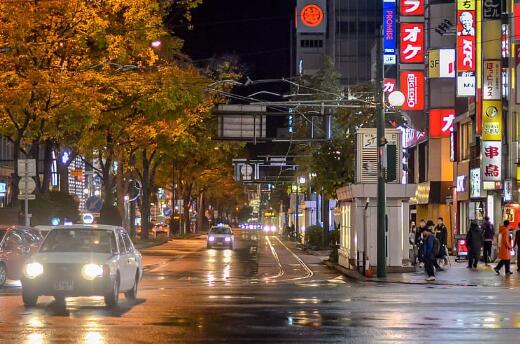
[(264, 293)]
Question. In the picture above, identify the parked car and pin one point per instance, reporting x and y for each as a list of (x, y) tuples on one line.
[(44, 230), (83, 260), (17, 244), (161, 230)]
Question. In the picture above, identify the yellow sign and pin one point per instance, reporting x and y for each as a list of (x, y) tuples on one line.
[(466, 5), (269, 214), (434, 63), (492, 120)]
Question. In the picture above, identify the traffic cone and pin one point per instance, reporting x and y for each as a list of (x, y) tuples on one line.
[(368, 268)]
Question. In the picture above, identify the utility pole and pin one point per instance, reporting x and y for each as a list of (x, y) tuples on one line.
[(381, 143)]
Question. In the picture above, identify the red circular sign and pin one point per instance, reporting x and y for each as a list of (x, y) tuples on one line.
[(312, 15)]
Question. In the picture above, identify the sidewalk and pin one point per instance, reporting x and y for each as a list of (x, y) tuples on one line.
[(456, 275)]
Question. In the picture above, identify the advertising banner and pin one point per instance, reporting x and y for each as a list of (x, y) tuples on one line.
[(441, 122), (389, 32), (412, 86), (389, 85), (466, 48), (441, 63), (517, 73), (466, 84), (474, 183), (492, 9), (412, 42), (411, 7), (491, 87), (491, 161), (492, 120)]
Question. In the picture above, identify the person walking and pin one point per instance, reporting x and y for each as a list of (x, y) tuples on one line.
[(428, 254), (504, 249), (474, 240), (419, 240), (488, 230), (517, 245), (438, 252), (411, 241), (441, 233)]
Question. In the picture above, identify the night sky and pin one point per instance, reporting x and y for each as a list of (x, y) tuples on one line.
[(257, 31)]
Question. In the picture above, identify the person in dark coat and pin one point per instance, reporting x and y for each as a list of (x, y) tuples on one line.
[(517, 245), (428, 254), (474, 240), (489, 234), (418, 239)]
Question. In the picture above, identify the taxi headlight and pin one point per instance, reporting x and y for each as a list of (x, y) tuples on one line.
[(91, 271), (227, 239), (273, 228), (211, 238), (266, 228), (33, 270)]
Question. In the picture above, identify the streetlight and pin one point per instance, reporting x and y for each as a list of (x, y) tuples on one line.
[(156, 44), (396, 98)]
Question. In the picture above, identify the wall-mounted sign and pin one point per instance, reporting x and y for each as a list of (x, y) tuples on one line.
[(466, 84), (517, 68), (412, 86), (389, 85), (475, 186), (461, 184), (491, 87), (412, 42), (491, 160), (411, 7), (411, 137), (441, 63), (441, 122), (508, 190), (492, 9), (311, 16), (492, 120), (389, 32)]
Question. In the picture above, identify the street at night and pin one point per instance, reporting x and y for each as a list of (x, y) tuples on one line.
[(192, 294)]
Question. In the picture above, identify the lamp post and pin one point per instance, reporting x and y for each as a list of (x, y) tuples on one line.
[(396, 98), (299, 181)]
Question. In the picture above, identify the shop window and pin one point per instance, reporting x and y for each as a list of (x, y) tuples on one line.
[(465, 140), (345, 227), (463, 217), (311, 43)]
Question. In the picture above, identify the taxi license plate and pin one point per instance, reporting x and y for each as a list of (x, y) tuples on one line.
[(64, 285)]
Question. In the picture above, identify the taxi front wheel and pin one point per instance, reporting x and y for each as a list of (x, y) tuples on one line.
[(132, 293), (112, 298), (29, 299)]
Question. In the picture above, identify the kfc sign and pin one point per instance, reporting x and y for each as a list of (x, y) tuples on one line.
[(491, 88), (411, 7), (412, 42), (466, 41), (491, 161), (441, 122), (412, 86)]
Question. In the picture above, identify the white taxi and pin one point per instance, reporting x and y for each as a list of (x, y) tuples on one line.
[(220, 236), (83, 260)]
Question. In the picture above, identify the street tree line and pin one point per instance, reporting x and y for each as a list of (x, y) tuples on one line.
[(105, 80)]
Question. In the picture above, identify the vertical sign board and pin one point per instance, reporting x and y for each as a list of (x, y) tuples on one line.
[(411, 42), (474, 182), (441, 122), (492, 120), (441, 63), (491, 161), (491, 88), (466, 48), (389, 32), (412, 86), (492, 9), (411, 7), (517, 70), (389, 85)]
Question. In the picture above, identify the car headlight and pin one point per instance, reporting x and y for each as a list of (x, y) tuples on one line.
[(227, 239), (91, 271), (33, 270), (273, 228), (266, 228), (211, 238)]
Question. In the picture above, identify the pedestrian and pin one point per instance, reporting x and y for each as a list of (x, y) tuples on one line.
[(411, 241), (504, 249), (517, 245), (474, 240), (418, 239), (441, 233), (438, 243), (488, 230), (428, 253)]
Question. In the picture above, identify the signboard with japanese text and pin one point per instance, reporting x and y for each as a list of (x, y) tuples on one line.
[(441, 63), (311, 16), (517, 72), (475, 183), (491, 160), (411, 7), (412, 86), (492, 120), (389, 85), (389, 32), (491, 84), (516, 19), (441, 122), (492, 9), (411, 42)]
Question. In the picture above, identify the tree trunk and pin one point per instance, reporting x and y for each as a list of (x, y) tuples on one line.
[(47, 167), (145, 201), (121, 188), (325, 215), (200, 212), (14, 180)]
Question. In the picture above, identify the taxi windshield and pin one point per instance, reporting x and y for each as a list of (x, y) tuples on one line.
[(79, 240), (220, 230)]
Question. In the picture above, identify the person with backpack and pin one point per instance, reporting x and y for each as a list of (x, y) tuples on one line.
[(437, 248), (488, 230), (429, 253), (517, 245), (474, 240), (419, 240), (504, 249), (441, 233)]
